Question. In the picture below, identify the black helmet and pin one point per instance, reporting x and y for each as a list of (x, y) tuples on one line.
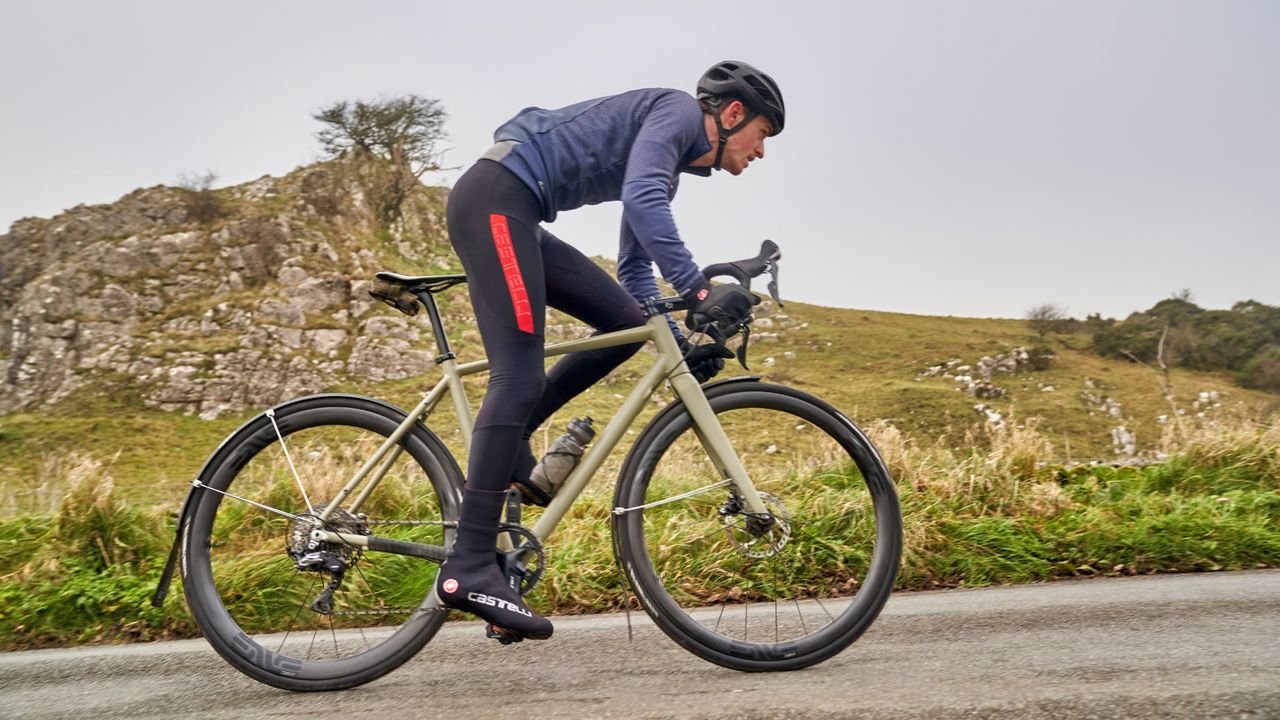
[(755, 89)]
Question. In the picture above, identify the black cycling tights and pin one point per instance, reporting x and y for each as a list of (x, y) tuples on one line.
[(515, 269)]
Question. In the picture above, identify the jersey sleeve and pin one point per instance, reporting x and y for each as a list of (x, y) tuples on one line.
[(635, 272), (672, 126)]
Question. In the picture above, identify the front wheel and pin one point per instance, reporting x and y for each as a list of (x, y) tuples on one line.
[(302, 615), (779, 591)]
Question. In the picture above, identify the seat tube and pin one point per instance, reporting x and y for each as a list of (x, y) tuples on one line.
[(448, 364), (458, 393), (709, 431)]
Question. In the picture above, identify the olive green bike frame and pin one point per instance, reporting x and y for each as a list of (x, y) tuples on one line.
[(668, 366)]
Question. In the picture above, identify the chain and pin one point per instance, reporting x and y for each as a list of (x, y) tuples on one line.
[(439, 523), (385, 611)]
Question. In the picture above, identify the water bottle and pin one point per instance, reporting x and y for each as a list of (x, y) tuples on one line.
[(562, 457)]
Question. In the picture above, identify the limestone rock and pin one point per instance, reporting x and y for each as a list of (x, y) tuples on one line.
[(266, 302)]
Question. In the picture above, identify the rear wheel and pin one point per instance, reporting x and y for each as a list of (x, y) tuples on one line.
[(778, 591), (323, 616)]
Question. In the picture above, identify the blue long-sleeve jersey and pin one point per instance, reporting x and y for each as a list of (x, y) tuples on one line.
[(629, 147)]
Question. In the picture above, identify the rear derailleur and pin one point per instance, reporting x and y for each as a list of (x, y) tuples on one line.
[(326, 558)]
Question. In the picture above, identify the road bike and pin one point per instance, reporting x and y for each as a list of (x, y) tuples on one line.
[(754, 523)]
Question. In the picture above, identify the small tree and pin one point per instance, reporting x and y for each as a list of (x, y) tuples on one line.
[(1046, 318), (403, 130)]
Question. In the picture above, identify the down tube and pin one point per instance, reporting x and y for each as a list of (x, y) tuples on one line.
[(604, 445)]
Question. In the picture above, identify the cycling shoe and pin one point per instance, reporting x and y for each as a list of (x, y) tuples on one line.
[(530, 494), (483, 592)]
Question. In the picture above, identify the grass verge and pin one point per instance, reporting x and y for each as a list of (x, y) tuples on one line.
[(85, 573)]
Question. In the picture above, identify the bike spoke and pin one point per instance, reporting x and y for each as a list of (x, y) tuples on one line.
[(673, 498), (334, 632), (268, 508), (375, 599), (279, 565), (363, 637), (774, 567), (800, 614), (824, 608), (301, 606)]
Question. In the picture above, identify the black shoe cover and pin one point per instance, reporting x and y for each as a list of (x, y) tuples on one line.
[(484, 592)]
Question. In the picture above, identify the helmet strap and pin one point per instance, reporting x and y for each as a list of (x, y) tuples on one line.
[(725, 133)]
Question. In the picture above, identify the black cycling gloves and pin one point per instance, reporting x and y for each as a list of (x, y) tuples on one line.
[(704, 361), (722, 305), (719, 306)]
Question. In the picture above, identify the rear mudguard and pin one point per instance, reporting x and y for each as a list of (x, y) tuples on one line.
[(195, 493)]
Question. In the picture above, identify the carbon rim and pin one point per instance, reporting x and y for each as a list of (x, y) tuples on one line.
[(808, 586), (246, 591)]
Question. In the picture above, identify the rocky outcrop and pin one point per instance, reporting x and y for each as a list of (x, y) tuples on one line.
[(976, 379), (267, 302)]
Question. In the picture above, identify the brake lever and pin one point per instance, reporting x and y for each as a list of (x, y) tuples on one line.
[(745, 329), (772, 268)]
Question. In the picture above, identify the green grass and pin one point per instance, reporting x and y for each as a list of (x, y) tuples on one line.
[(1000, 515), (152, 454)]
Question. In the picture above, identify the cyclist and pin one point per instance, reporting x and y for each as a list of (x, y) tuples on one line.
[(631, 147)]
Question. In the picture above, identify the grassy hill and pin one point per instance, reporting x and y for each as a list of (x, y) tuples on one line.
[(867, 363), (161, 329)]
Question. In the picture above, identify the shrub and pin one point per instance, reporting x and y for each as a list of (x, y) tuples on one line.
[(202, 202), (1263, 370), (1047, 318)]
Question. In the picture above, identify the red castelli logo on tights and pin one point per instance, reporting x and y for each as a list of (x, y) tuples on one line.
[(511, 271), (450, 586), (703, 293)]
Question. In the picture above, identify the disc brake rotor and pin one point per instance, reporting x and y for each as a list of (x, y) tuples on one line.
[(759, 537)]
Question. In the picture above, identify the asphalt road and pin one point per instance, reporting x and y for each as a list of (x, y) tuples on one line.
[(1174, 646)]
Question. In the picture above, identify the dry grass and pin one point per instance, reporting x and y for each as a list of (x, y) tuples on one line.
[(1003, 511)]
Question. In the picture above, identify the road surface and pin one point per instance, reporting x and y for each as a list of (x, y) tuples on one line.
[(1172, 646)]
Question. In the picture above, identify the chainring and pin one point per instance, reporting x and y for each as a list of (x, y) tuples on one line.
[(529, 558)]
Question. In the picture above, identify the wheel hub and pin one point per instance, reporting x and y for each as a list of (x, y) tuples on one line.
[(319, 556), (757, 535)]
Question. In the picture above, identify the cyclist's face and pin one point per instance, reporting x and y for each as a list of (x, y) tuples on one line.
[(745, 146)]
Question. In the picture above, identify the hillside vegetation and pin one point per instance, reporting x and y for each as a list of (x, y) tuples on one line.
[(135, 336)]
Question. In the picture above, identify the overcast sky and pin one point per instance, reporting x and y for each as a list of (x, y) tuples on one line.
[(963, 158)]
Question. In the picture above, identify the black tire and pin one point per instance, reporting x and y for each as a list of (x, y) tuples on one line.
[(243, 587), (817, 576)]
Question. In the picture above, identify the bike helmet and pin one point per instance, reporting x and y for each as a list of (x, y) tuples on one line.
[(734, 79)]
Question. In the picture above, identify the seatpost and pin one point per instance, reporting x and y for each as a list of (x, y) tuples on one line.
[(437, 327)]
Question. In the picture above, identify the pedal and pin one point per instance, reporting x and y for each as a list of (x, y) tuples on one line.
[(502, 635)]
